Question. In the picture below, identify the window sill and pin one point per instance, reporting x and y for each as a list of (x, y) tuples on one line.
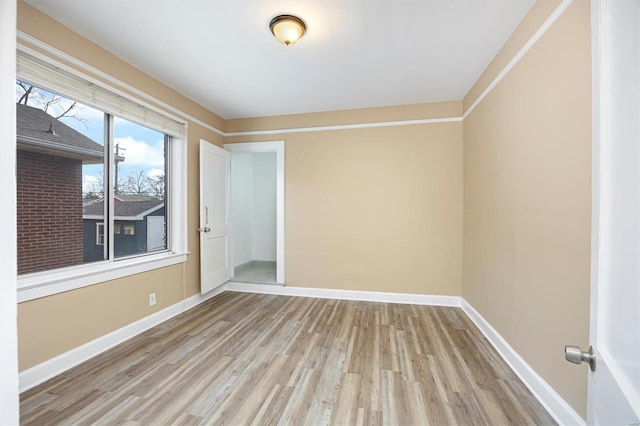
[(47, 283)]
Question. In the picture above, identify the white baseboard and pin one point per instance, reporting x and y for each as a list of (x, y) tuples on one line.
[(197, 299), (366, 296), (544, 393), (63, 362)]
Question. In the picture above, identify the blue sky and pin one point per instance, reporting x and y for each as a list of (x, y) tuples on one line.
[(143, 148)]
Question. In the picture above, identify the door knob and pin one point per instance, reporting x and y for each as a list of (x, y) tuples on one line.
[(205, 229), (575, 355)]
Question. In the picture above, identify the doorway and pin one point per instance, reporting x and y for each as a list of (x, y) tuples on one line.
[(257, 212)]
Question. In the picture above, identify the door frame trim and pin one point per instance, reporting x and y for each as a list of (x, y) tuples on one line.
[(279, 148)]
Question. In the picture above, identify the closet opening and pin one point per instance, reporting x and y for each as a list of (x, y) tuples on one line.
[(257, 212)]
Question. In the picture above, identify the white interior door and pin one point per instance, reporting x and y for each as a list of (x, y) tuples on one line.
[(614, 386), (214, 216)]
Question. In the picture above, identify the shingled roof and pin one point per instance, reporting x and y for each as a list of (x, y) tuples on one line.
[(38, 131), (127, 207)]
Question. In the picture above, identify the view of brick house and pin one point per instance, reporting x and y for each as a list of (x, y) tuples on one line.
[(50, 156)]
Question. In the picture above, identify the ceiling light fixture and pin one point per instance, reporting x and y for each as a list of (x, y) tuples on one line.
[(287, 29)]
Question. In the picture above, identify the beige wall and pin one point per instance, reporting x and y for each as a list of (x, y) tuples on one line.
[(376, 209), (527, 176), (536, 17), (53, 325)]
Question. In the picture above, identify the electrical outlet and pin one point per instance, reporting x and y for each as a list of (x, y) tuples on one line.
[(152, 299)]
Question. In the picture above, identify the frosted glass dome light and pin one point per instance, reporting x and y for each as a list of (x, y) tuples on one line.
[(287, 29)]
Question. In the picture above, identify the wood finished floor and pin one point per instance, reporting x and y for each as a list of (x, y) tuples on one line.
[(243, 358)]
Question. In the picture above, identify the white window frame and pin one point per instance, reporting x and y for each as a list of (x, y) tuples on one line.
[(45, 283), (98, 226)]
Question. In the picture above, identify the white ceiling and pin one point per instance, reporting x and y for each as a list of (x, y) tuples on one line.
[(355, 54)]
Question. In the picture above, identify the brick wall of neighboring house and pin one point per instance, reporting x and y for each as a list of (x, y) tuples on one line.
[(49, 211)]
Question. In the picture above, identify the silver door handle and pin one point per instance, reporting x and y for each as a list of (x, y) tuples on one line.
[(205, 229), (575, 355)]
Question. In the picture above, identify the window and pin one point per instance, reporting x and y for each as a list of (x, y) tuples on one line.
[(100, 234), (96, 174), (62, 180), (129, 230), (139, 187)]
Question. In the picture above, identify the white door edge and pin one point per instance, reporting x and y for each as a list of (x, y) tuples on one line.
[(614, 387)]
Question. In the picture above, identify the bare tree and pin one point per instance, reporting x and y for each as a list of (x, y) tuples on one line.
[(92, 195), (24, 91), (55, 105), (156, 185), (95, 189), (136, 183)]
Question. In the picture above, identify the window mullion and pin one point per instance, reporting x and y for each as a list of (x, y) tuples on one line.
[(109, 188), (167, 193)]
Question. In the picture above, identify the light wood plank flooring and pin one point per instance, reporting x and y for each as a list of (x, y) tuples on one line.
[(243, 358)]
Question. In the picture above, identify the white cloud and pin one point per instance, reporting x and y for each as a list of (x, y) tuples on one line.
[(141, 153), (90, 183), (155, 172), (89, 113)]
